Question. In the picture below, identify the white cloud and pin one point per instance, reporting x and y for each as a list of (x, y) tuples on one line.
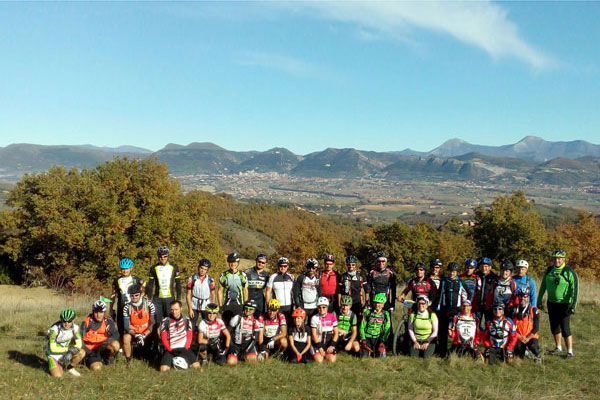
[(481, 24), (278, 62)]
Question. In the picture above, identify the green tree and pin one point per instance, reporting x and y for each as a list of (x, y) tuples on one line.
[(509, 230)]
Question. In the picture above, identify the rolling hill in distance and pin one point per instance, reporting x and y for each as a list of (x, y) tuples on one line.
[(531, 160)]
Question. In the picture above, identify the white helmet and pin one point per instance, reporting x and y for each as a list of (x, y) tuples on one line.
[(522, 263), (180, 363), (323, 301)]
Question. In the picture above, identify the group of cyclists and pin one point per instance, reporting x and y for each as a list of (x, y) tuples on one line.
[(253, 315)]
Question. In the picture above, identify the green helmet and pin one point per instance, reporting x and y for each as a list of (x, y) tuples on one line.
[(212, 308), (379, 298), (558, 253), (346, 300), (67, 315)]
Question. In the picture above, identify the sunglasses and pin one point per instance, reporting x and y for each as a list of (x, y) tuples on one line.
[(322, 307)]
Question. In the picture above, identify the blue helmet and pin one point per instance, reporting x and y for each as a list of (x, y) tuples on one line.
[(485, 260), (126, 263), (470, 263)]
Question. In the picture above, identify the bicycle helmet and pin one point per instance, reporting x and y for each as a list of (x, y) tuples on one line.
[(498, 304), (283, 260), (436, 261), (250, 304), (261, 257), (322, 301), (351, 260), (311, 263), (163, 251), (204, 262), (522, 292), (329, 258), (453, 266), (134, 289), (299, 312), (180, 363), (506, 265), (99, 306), (470, 263), (233, 257), (125, 263), (522, 263), (274, 304), (424, 298), (558, 253), (346, 300), (379, 298), (380, 254), (212, 308), (420, 265), (466, 302), (67, 315), (485, 260)]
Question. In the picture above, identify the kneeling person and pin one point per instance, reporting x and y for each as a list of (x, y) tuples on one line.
[(527, 320), (275, 330), (213, 337), (347, 327), (500, 336), (247, 335), (464, 331), (138, 321), (64, 345), (176, 333), (100, 337)]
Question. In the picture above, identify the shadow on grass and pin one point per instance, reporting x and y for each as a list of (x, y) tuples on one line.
[(30, 360)]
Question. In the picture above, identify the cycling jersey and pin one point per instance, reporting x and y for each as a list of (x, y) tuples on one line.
[(282, 284), (452, 294), (306, 290), (472, 284), (562, 285), (383, 281), (244, 329), (329, 282), (60, 339), (257, 281), (465, 329), (418, 287), (375, 325), (504, 291), (168, 282), (139, 317), (526, 282), (527, 321), (212, 330), (486, 287), (345, 323), (120, 287), (272, 327), (201, 287), (422, 326), (500, 333), (176, 333), (435, 279), (233, 284), (95, 334), (324, 326), (351, 284)]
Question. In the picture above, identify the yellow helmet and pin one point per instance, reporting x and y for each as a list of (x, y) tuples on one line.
[(273, 304)]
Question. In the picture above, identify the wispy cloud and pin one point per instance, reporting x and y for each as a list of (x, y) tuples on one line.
[(482, 24), (288, 65)]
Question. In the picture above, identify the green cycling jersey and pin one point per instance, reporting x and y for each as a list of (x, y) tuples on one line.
[(375, 325), (562, 286)]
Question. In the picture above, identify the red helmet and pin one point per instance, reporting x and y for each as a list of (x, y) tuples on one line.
[(299, 312), (329, 258)]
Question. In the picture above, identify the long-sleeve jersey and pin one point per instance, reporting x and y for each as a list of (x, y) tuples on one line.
[(422, 326), (351, 284), (383, 281), (60, 339), (527, 320), (452, 293), (140, 317), (562, 285), (306, 291), (167, 279), (472, 284), (500, 333), (465, 329), (95, 333), (375, 325), (486, 288), (176, 333), (504, 291), (527, 282), (121, 285)]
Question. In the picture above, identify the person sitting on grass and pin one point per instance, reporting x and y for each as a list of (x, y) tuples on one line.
[(324, 332), (138, 323), (375, 328), (423, 329), (299, 350), (347, 327), (213, 337), (64, 345), (464, 332), (500, 336), (247, 335), (275, 330), (527, 320), (100, 337), (176, 334)]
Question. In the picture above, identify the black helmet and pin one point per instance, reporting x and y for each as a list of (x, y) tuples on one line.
[(261, 256), (420, 265), (453, 266), (250, 304), (380, 254), (351, 260), (312, 263), (434, 262), (329, 258), (134, 289), (162, 251), (205, 262), (506, 265), (498, 304), (233, 257)]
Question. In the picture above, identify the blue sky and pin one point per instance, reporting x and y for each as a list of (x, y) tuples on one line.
[(306, 76)]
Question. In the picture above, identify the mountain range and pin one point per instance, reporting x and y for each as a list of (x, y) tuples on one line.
[(532, 159)]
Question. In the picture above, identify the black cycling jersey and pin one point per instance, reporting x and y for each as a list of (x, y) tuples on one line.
[(257, 281)]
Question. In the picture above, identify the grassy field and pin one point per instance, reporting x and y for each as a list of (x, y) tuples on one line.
[(25, 315)]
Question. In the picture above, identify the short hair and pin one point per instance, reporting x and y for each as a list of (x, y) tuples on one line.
[(176, 302)]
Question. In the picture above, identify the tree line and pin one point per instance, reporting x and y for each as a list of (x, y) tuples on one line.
[(68, 229)]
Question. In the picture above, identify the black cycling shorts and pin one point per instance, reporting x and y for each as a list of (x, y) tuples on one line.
[(560, 319), (241, 351), (98, 354), (187, 354)]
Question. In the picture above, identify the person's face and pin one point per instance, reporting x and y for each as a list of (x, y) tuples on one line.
[(486, 268), (422, 306), (272, 313), (524, 300), (505, 273), (322, 310), (346, 308), (212, 316), (436, 270), (453, 274), (163, 259), (233, 266), (283, 268), (176, 311), (381, 263), (202, 270), (135, 297), (351, 267), (558, 261), (522, 271), (328, 266), (98, 315), (379, 307), (466, 309), (420, 272), (470, 270), (67, 324), (498, 312), (248, 311), (261, 263), (125, 272), (310, 271), (299, 321)]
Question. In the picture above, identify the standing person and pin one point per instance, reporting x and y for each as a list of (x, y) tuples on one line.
[(435, 267), (233, 289), (307, 289), (139, 319), (525, 282), (527, 320), (504, 288), (422, 329), (120, 286), (382, 279), (257, 282), (100, 337), (353, 283), (324, 333), (200, 291), (176, 334), (274, 330), (487, 279), (500, 336), (472, 282), (375, 328), (280, 286), (452, 294), (330, 280), (64, 347), (247, 335), (563, 289), (464, 332), (168, 284), (347, 327), (213, 337), (419, 285), (299, 350)]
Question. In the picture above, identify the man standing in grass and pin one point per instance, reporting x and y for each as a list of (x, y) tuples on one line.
[(120, 291), (563, 288)]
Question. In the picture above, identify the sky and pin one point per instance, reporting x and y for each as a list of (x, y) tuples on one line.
[(380, 76)]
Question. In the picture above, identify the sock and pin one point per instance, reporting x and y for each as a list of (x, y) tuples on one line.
[(559, 348), (570, 351)]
